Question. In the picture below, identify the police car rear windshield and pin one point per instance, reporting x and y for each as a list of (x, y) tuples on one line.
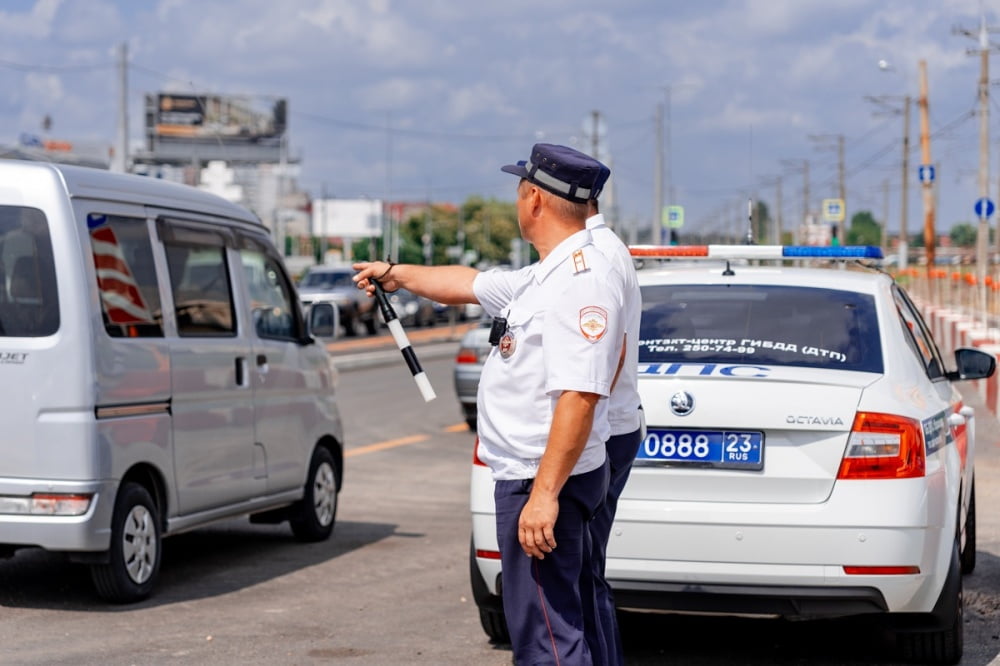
[(760, 325)]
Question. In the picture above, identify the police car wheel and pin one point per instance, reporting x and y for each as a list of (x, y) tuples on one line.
[(490, 606), (968, 554), (943, 642), (312, 517), (134, 556)]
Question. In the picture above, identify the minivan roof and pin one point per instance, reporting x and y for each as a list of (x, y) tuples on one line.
[(92, 183)]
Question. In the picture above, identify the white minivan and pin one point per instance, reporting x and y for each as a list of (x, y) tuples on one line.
[(156, 373)]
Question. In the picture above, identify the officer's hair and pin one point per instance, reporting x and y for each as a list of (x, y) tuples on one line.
[(566, 208)]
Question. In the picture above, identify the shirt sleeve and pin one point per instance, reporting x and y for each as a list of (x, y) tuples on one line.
[(495, 288), (582, 339)]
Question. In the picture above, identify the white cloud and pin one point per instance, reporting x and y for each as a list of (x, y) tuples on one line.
[(34, 24)]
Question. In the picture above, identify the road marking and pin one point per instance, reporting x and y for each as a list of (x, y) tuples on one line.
[(402, 441), (388, 444)]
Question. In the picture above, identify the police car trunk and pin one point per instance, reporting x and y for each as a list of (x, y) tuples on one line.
[(769, 408)]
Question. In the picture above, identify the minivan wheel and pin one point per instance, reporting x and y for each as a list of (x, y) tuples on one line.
[(134, 557), (313, 516)]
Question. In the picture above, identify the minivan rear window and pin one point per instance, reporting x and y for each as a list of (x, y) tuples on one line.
[(760, 325), (29, 301)]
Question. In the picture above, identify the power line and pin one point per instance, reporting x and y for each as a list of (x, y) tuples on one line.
[(55, 68)]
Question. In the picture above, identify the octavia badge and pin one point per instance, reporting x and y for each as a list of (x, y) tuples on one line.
[(682, 403)]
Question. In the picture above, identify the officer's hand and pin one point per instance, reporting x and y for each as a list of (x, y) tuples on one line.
[(377, 269), (536, 527)]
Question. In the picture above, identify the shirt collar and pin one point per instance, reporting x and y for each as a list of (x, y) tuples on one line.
[(595, 221), (560, 253)]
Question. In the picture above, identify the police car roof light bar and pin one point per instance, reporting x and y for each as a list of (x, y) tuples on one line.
[(756, 251)]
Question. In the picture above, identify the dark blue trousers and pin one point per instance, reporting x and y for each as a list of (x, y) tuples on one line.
[(551, 604), (621, 453)]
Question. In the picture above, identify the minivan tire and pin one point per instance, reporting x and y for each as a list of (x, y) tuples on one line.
[(133, 564), (312, 517)]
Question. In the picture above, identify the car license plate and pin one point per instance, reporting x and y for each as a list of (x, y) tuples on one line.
[(730, 449)]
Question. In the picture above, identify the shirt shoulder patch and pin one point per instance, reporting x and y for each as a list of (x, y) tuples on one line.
[(579, 262), (593, 322)]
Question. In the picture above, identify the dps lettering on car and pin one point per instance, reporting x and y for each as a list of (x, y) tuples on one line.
[(704, 370), (937, 434)]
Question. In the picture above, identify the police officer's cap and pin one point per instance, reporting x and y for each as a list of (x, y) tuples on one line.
[(563, 171)]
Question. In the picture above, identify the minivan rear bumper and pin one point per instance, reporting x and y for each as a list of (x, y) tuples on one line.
[(88, 532)]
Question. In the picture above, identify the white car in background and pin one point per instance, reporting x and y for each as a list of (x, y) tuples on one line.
[(807, 456)]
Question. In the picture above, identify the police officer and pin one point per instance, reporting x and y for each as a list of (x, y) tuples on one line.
[(624, 416), (542, 413)]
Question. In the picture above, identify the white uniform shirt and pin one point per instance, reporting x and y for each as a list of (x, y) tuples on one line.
[(623, 410), (564, 317)]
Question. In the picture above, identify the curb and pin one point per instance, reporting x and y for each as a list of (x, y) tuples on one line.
[(952, 330), (345, 362)]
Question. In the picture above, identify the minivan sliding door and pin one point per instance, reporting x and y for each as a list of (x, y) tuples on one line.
[(211, 395)]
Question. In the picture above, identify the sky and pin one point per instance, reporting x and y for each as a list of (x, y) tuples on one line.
[(421, 100)]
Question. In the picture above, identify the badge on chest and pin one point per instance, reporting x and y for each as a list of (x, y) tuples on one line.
[(508, 343)]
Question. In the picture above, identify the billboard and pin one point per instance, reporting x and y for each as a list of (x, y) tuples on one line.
[(347, 218), (236, 128)]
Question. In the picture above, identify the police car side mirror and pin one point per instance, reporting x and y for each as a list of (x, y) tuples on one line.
[(972, 364), (323, 321)]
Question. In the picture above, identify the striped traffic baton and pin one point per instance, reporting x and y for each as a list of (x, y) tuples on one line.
[(399, 335)]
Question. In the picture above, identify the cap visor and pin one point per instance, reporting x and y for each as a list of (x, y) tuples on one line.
[(516, 169)]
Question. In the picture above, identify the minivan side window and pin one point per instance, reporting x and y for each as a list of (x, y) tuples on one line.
[(272, 299), (126, 276), (199, 281), (29, 302)]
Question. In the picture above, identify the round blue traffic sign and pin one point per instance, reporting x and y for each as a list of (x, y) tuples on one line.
[(984, 207)]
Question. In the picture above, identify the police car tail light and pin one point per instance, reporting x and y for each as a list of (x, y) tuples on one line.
[(883, 446), (475, 454)]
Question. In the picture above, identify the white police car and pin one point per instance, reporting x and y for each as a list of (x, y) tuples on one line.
[(807, 454)]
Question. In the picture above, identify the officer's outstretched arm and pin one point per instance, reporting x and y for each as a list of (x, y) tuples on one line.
[(572, 421), (450, 285)]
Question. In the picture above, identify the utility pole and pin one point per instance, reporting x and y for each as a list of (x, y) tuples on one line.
[(656, 229), (803, 167), (888, 104), (983, 232), (885, 215), (838, 139), (927, 186), (119, 161), (778, 231)]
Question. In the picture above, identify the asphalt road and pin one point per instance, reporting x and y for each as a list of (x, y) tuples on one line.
[(391, 585)]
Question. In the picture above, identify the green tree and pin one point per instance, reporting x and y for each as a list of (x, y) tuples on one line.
[(963, 234), (864, 230), (487, 227)]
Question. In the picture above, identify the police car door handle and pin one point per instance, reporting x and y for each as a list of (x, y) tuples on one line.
[(956, 420)]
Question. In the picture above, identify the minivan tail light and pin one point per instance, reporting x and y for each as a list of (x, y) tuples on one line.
[(883, 446), (46, 504)]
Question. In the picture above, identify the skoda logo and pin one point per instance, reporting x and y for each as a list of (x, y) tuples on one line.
[(682, 403)]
